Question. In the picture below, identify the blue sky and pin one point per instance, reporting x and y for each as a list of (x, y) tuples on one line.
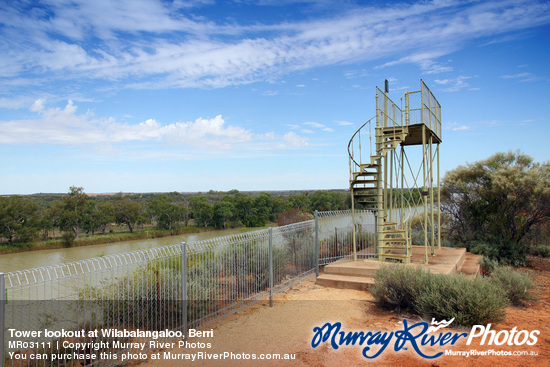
[(157, 96)]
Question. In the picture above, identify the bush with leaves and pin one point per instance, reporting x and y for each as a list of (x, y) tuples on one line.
[(517, 284), (498, 201), (542, 251), (469, 302), (411, 289), (487, 265), (397, 287), (144, 299)]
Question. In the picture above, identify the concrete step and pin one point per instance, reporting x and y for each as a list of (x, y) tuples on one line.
[(470, 267), (345, 281), (353, 268), (460, 261), (447, 260)]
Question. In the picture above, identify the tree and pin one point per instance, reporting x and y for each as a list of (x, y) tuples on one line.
[(103, 214), (300, 201), (165, 212), (223, 211), (74, 207), (293, 216), (202, 210), (18, 218), (52, 215), (243, 204), (263, 206), (280, 205), (494, 203), (322, 201), (127, 212)]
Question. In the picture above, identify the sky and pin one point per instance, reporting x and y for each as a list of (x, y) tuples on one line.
[(199, 95)]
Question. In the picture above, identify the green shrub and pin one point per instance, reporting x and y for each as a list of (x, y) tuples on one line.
[(482, 248), (409, 288), (397, 286), (417, 237), (68, 238), (469, 302), (542, 251), (143, 299), (341, 243), (517, 284), (488, 265)]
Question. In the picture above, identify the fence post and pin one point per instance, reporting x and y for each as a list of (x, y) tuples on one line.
[(270, 232), (376, 234), (2, 316), (183, 263), (316, 243)]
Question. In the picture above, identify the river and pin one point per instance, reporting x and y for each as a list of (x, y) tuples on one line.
[(41, 258)]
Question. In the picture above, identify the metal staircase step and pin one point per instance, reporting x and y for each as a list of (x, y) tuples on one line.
[(362, 174), (393, 231), (406, 259), (393, 248), (372, 198), (392, 241), (365, 166)]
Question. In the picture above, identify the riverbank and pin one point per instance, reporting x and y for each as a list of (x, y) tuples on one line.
[(98, 239)]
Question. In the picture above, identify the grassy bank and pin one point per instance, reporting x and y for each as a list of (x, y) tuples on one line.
[(96, 239)]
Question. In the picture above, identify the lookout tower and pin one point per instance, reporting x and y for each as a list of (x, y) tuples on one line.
[(398, 176)]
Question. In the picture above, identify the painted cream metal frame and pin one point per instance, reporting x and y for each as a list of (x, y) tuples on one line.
[(381, 181)]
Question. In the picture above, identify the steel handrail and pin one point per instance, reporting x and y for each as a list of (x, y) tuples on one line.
[(350, 144)]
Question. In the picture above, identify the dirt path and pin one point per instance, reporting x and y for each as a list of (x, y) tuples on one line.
[(288, 328)]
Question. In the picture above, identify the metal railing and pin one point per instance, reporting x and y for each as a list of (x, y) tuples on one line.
[(169, 289), (421, 107)]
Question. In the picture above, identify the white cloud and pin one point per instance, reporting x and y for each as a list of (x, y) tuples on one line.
[(37, 106), (314, 124), (154, 45), (455, 84), (293, 140), (524, 77), (454, 126), (64, 126), (423, 59)]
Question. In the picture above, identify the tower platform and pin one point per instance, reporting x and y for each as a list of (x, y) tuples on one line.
[(360, 274)]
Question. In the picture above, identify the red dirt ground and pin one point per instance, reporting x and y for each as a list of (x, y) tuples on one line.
[(288, 328)]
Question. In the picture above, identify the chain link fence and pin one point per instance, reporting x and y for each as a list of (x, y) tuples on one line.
[(107, 310)]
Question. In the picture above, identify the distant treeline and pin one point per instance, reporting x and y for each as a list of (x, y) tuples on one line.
[(26, 218)]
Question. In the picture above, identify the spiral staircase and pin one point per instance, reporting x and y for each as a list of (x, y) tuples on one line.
[(415, 121), (366, 185), (380, 175)]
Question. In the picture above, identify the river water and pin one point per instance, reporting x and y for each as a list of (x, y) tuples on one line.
[(42, 258)]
